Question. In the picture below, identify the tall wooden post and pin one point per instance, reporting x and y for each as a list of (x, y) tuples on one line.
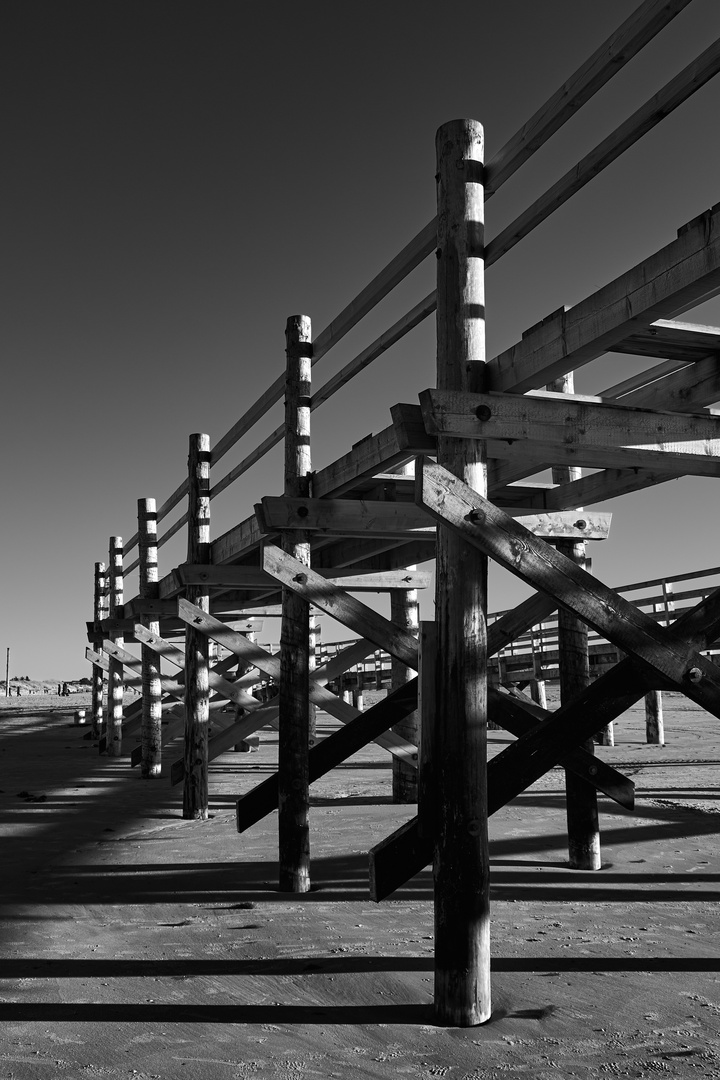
[(98, 675), (462, 904), (197, 690), (294, 749), (404, 611), (115, 669), (581, 797), (151, 731)]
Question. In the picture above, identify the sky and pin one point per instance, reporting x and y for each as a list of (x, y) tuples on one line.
[(180, 177)]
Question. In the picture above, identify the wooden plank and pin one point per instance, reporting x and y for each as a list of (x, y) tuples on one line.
[(347, 609), (679, 276), (672, 340), (270, 666), (367, 457), (673, 94), (367, 727), (250, 577), (344, 517), (578, 426), (483, 525)]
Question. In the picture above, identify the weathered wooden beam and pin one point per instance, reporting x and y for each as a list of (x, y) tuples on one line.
[(367, 727), (681, 275), (590, 433), (344, 517), (347, 609)]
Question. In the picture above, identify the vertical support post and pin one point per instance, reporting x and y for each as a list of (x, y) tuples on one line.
[(654, 726), (98, 675), (115, 669), (537, 686), (430, 720), (581, 797), (197, 688), (151, 729), (294, 735), (404, 611), (462, 879)]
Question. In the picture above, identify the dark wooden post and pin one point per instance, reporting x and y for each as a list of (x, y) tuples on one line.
[(99, 613), (430, 720), (654, 726), (294, 738), (197, 692), (151, 730), (404, 611), (581, 797), (462, 879), (116, 684)]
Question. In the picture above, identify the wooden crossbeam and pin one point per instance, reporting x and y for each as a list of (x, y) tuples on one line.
[(270, 666), (344, 517), (347, 609), (587, 433), (363, 517), (681, 275), (368, 726), (252, 577)]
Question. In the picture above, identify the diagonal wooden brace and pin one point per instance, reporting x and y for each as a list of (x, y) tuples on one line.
[(405, 852), (660, 651), (345, 608)]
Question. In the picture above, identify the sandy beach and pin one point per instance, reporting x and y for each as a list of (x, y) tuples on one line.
[(137, 944)]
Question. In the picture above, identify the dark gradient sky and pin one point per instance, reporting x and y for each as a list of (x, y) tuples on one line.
[(180, 177)]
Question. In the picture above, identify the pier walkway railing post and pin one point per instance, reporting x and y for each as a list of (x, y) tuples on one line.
[(294, 742), (151, 729), (462, 880), (98, 673), (197, 668), (116, 681)]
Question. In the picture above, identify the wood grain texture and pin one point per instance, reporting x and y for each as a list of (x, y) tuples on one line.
[(151, 763), (461, 868)]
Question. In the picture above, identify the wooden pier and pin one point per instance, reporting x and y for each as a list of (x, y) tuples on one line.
[(450, 479)]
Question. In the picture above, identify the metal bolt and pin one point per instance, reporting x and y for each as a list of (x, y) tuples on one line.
[(483, 412), (581, 523), (476, 517), (695, 674)]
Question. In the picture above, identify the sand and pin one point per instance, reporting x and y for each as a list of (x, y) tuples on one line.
[(136, 944)]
